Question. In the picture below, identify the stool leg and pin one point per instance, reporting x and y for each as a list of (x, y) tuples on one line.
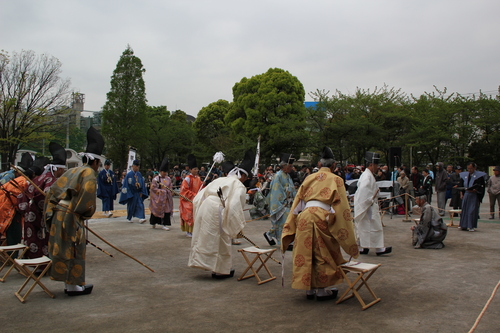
[(258, 256), (36, 281), (8, 258), (263, 263), (354, 287), (250, 267), (451, 220)]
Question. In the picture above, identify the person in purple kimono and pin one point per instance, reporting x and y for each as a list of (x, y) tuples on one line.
[(161, 203)]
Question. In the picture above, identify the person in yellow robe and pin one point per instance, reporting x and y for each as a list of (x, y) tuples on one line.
[(321, 224), (70, 201)]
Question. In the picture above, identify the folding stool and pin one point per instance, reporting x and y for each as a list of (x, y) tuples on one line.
[(6, 256), (24, 265), (263, 255), (453, 212), (360, 269)]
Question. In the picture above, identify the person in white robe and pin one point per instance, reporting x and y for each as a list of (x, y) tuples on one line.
[(218, 218), (367, 219)]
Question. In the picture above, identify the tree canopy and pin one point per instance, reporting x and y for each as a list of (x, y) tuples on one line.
[(168, 134), (430, 128), (125, 112), (270, 105), (212, 132), (32, 97)]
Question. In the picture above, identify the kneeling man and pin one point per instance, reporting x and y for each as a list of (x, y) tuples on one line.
[(431, 230)]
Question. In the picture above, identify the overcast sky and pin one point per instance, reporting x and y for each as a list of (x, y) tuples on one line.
[(194, 51)]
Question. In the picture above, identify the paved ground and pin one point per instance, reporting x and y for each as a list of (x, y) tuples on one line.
[(421, 290)]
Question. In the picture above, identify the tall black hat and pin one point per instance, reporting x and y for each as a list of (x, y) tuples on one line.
[(58, 153), (253, 183), (371, 157), (136, 162), (39, 165), (164, 165), (227, 166), (327, 153), (285, 157), (26, 161), (107, 162), (95, 142), (191, 161), (248, 162)]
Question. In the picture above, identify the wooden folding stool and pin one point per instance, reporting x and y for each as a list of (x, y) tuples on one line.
[(360, 269), (6, 256), (453, 212), (24, 265), (263, 255)]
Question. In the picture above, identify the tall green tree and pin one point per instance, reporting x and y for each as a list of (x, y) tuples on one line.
[(32, 98), (353, 124), (212, 132), (183, 137), (158, 137), (485, 147), (270, 105), (169, 134), (124, 114)]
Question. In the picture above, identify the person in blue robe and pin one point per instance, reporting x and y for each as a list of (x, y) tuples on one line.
[(107, 188), (474, 183), (134, 193), (280, 199)]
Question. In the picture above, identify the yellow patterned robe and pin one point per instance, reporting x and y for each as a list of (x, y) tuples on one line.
[(319, 234), (76, 188)]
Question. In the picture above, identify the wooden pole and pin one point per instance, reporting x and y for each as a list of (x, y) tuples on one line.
[(183, 197), (406, 219), (105, 241)]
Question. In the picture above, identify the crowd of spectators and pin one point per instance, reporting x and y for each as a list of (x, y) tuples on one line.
[(412, 181)]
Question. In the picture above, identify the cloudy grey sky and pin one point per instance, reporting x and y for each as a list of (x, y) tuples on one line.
[(194, 51)]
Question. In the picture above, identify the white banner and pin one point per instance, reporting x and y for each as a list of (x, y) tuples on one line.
[(131, 157), (255, 170)]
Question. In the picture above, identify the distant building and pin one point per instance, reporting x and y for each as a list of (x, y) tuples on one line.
[(310, 104), (85, 118)]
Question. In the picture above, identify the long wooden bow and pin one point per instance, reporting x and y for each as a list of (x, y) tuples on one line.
[(82, 226)]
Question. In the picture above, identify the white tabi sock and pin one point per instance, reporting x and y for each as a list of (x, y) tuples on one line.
[(311, 292), (322, 292), (380, 249), (72, 287)]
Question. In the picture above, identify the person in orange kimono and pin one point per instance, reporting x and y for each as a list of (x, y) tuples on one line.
[(190, 186), (11, 217)]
